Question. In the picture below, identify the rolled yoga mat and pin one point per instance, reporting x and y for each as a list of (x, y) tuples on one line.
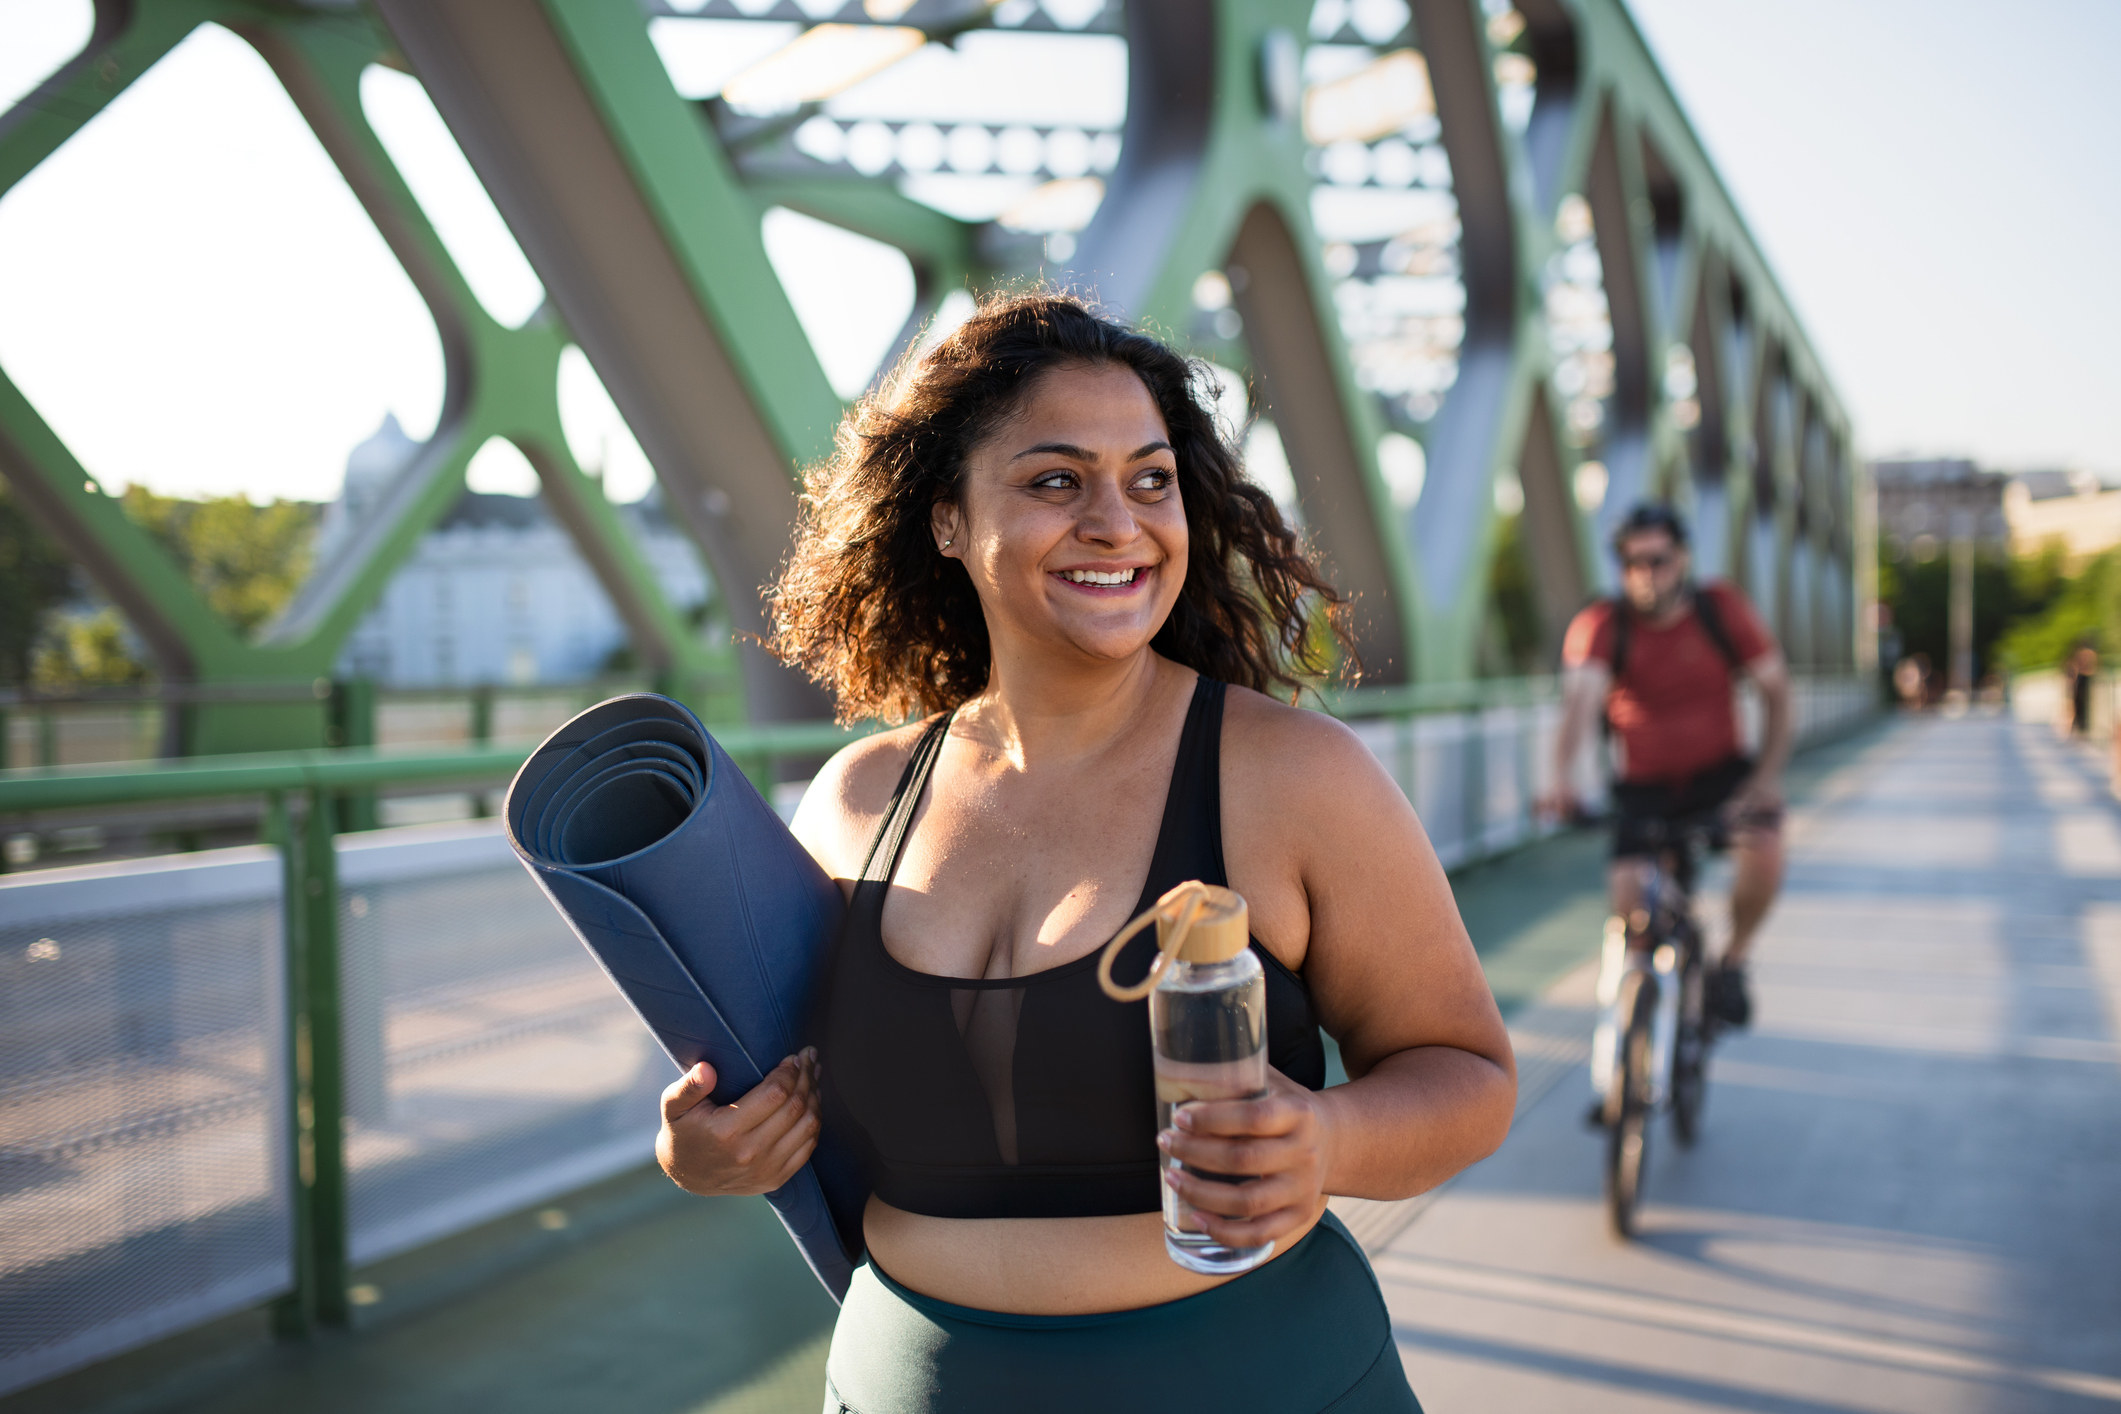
[(697, 901)]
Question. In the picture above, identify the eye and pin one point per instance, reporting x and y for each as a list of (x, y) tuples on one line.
[(1057, 480), (1156, 478)]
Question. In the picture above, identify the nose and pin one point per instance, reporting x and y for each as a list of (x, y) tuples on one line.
[(1107, 516)]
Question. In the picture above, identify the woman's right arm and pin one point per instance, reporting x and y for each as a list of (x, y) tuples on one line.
[(756, 1143)]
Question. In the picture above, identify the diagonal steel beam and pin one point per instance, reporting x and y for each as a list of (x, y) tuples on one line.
[(651, 251), (501, 382), (187, 639), (1211, 176)]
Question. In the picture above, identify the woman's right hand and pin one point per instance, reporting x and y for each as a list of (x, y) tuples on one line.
[(751, 1146)]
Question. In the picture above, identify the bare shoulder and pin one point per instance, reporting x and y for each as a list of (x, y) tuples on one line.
[(1296, 781), (1313, 827), (847, 798), (1293, 748)]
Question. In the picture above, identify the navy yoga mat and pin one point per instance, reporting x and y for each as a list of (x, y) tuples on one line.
[(704, 910)]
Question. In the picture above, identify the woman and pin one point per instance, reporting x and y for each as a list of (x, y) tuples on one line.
[(1038, 536)]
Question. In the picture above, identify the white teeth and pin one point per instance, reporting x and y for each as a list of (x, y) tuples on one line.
[(1093, 577)]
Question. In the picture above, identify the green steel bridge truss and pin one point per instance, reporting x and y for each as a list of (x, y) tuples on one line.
[(641, 213)]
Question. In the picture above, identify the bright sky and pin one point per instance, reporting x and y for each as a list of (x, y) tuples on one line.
[(192, 297), (265, 329), (1937, 184)]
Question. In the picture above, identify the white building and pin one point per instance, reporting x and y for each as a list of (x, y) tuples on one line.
[(496, 592), (2075, 510)]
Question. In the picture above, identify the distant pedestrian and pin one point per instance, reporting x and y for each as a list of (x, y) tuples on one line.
[(2081, 671), (1911, 681)]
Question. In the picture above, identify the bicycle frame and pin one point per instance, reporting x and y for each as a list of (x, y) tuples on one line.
[(1665, 945)]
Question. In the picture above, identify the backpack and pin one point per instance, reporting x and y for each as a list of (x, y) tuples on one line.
[(1704, 606), (1705, 610)]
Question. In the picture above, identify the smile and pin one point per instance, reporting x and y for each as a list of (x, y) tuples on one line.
[(1104, 579)]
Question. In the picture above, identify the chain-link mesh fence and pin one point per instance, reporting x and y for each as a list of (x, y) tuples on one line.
[(489, 1063), (143, 1114)]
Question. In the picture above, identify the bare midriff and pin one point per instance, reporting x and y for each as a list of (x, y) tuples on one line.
[(1037, 1266)]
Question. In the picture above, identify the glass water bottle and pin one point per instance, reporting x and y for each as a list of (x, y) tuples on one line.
[(1208, 1025)]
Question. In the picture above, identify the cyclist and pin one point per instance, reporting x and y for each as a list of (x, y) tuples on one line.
[(1660, 663)]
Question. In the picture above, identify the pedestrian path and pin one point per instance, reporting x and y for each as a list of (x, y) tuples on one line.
[(1907, 1195)]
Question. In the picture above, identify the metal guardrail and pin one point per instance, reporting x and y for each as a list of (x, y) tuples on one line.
[(55, 726), (346, 768), (1420, 698), (1455, 748), (303, 793)]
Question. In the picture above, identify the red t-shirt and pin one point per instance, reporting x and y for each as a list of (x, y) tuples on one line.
[(1672, 709)]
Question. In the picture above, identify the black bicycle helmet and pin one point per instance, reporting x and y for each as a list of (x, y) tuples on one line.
[(1649, 515)]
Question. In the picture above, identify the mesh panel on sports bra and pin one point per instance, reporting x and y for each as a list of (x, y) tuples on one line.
[(986, 1022)]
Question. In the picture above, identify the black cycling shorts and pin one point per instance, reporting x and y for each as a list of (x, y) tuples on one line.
[(1640, 808)]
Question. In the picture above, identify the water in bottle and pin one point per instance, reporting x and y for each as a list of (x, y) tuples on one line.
[(1208, 1028)]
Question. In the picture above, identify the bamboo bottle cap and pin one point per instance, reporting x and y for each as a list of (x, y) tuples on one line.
[(1195, 922), (1221, 929)]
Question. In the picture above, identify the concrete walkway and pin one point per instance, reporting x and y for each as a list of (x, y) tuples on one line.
[(1908, 1193)]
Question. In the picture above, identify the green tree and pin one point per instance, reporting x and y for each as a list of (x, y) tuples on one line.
[(1515, 637), (91, 649), (2072, 609), (35, 578), (247, 561), (1919, 594)]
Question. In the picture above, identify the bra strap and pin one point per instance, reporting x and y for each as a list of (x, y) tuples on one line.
[(1210, 785), (891, 830), (1189, 839)]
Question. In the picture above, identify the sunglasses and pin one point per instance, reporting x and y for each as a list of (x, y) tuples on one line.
[(1655, 561)]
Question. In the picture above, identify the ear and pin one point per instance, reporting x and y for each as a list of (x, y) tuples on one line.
[(948, 524)]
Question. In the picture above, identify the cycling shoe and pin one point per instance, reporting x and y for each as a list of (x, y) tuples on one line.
[(1728, 999)]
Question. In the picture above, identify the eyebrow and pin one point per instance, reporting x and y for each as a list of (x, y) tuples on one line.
[(1075, 453)]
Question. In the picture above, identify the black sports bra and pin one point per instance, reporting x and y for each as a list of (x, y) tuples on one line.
[(1024, 1097)]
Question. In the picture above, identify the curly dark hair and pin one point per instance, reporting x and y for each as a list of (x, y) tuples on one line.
[(867, 608)]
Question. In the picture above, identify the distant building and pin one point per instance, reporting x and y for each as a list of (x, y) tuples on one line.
[(2073, 509), (1923, 504), (496, 592), (370, 469)]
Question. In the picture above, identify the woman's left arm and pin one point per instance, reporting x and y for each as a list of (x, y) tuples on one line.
[(1344, 885)]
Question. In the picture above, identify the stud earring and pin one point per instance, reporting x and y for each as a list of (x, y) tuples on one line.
[(948, 543)]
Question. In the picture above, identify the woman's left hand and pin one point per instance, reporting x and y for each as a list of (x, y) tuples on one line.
[(1279, 1140)]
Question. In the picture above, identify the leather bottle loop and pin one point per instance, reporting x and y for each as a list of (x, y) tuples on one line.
[(1188, 899)]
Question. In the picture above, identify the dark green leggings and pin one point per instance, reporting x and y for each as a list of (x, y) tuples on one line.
[(1304, 1334)]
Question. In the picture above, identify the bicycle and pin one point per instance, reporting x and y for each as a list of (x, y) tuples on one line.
[(1654, 1038)]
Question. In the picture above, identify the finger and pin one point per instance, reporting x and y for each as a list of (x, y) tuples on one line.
[(1247, 1157), (1253, 1199), (1251, 1232), (775, 1159), (1272, 1114), (793, 1151), (762, 1101), (689, 1091), (748, 1145)]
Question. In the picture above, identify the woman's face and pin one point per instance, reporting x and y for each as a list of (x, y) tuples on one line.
[(1069, 521)]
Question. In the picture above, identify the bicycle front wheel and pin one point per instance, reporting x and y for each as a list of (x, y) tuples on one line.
[(1628, 1134)]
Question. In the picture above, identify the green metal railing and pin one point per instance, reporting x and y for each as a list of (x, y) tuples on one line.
[(311, 796), (357, 710), (306, 796), (1426, 698)]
